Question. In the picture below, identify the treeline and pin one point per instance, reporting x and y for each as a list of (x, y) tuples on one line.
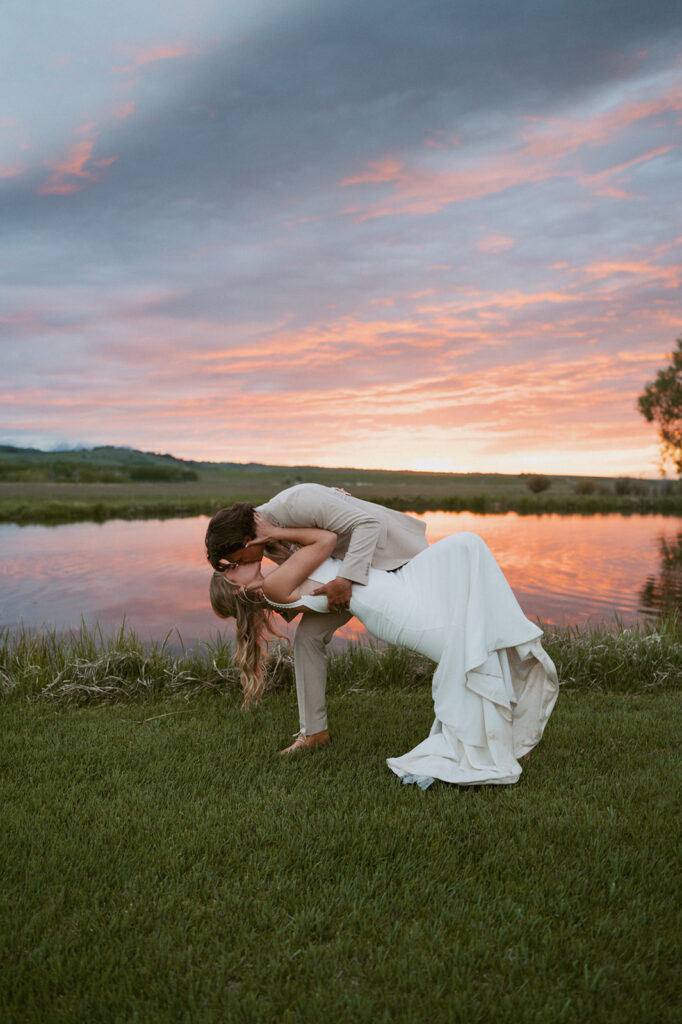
[(62, 471)]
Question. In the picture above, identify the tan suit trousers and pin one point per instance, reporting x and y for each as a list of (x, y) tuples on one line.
[(311, 650)]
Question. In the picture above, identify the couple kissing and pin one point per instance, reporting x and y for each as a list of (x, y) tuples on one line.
[(337, 556)]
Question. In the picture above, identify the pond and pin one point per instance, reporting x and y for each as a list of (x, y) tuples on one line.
[(153, 574)]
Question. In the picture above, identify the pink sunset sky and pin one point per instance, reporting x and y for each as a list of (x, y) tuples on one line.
[(433, 235)]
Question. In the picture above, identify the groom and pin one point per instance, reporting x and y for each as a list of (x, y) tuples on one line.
[(368, 535)]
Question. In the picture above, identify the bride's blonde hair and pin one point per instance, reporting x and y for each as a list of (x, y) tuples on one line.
[(253, 624)]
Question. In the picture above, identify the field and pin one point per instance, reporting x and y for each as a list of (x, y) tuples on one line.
[(161, 863), (116, 483)]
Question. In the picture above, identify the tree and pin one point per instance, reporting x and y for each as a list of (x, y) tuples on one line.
[(661, 403), (537, 484)]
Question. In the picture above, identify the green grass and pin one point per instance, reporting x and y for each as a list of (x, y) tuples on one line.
[(162, 864), (88, 668), (52, 509), (33, 499), (159, 861)]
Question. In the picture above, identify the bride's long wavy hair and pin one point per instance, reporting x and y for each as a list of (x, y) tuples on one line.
[(253, 627)]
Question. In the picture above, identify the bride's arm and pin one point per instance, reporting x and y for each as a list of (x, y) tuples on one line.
[(266, 532), (283, 583)]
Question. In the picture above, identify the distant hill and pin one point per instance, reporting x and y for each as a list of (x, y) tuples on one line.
[(105, 464), (100, 455), (114, 464), (110, 482), (106, 455)]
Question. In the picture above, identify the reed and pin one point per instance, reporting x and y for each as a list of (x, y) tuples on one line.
[(87, 667), (33, 499), (618, 659)]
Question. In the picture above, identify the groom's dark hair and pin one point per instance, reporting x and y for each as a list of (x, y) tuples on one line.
[(227, 530)]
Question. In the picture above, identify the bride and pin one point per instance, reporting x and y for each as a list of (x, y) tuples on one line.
[(494, 686)]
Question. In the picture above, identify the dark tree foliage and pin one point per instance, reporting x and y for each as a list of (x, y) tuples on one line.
[(537, 484), (661, 403)]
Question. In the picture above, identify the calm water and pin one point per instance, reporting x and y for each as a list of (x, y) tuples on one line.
[(563, 569)]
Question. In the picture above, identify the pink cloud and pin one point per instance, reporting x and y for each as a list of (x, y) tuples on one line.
[(123, 110), (144, 55), (511, 407), (422, 191), (669, 276), (55, 187), (495, 244), (466, 419), (76, 159), (377, 171), (599, 182), (437, 332), (538, 155), (74, 165), (410, 373)]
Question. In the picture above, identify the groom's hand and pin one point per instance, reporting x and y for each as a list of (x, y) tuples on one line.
[(338, 594)]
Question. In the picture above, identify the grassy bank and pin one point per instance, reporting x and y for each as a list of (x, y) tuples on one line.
[(88, 668), (54, 508), (30, 495), (160, 863)]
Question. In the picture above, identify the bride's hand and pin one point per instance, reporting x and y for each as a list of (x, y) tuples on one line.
[(264, 531)]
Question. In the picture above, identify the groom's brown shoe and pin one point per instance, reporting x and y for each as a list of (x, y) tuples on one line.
[(303, 742)]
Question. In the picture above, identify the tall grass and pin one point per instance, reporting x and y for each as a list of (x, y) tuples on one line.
[(641, 659), (53, 511), (87, 667)]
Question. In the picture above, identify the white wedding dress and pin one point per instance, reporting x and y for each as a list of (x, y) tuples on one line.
[(494, 686)]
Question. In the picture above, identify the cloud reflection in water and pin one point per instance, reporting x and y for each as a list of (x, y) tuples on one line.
[(153, 574)]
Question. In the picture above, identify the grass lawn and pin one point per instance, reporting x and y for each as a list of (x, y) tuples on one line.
[(161, 863), (40, 501)]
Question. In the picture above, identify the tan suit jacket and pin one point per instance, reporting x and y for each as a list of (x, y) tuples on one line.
[(368, 534)]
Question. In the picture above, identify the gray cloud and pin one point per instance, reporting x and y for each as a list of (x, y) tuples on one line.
[(221, 218)]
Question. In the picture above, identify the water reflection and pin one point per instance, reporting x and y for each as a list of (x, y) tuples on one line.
[(563, 569), (663, 592), (574, 569)]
